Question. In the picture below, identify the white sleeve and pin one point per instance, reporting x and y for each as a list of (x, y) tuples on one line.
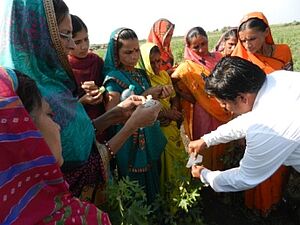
[(264, 154), (233, 130)]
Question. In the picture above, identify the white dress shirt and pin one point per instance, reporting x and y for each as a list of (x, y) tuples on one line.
[(272, 132)]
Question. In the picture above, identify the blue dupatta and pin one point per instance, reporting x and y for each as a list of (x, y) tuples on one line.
[(30, 43)]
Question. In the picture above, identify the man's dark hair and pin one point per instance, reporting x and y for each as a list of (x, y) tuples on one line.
[(233, 76)]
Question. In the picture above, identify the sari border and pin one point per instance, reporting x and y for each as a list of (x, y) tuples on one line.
[(54, 34)]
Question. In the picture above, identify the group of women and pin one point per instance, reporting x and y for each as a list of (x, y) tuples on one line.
[(43, 41)]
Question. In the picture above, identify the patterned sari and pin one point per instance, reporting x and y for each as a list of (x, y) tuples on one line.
[(30, 43), (269, 192), (139, 157), (174, 156), (32, 188), (158, 33)]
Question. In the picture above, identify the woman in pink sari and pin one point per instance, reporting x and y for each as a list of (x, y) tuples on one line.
[(202, 113)]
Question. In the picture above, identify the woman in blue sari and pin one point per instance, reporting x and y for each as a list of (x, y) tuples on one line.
[(139, 157), (35, 39)]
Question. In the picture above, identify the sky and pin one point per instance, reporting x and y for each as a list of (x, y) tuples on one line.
[(104, 16)]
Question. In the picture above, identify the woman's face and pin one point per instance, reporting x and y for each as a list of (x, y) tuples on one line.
[(155, 62), (50, 130), (82, 44), (199, 45), (253, 40), (65, 33), (230, 45), (129, 53)]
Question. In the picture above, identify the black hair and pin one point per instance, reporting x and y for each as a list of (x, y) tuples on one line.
[(230, 33), (60, 9), (125, 34), (28, 92), (194, 32), (122, 35), (154, 49), (78, 25), (254, 23), (233, 76)]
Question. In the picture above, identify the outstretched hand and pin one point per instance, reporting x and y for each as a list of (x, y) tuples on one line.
[(196, 146), (196, 170)]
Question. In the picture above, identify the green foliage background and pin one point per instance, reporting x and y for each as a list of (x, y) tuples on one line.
[(282, 33)]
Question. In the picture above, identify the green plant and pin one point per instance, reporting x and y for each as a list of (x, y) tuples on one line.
[(180, 205), (127, 203)]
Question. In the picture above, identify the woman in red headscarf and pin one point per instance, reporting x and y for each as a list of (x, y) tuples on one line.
[(161, 34)]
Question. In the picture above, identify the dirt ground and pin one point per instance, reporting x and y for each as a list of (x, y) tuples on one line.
[(228, 208)]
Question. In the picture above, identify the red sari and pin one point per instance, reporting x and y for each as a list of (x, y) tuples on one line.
[(32, 188), (89, 69)]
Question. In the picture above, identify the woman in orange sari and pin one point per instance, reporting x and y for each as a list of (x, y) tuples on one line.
[(202, 113), (256, 45), (161, 34)]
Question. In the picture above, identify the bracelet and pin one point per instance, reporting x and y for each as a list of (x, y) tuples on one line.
[(111, 153)]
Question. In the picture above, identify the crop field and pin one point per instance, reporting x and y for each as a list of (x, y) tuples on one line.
[(284, 33)]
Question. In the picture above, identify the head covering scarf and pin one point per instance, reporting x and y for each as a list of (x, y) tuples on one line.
[(220, 46), (32, 189), (209, 61), (257, 59), (30, 43), (156, 79), (158, 33), (88, 69)]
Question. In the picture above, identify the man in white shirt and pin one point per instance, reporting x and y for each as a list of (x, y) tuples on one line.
[(267, 110)]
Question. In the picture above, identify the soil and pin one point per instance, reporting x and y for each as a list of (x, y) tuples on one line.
[(228, 208)]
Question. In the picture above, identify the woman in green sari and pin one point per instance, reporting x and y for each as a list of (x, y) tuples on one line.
[(139, 157)]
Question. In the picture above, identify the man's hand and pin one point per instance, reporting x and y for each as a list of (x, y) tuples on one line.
[(196, 170), (197, 146)]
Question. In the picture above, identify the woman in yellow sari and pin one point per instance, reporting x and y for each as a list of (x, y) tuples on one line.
[(202, 113), (256, 45), (173, 158)]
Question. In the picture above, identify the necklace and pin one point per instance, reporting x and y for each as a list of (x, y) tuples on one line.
[(134, 75)]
